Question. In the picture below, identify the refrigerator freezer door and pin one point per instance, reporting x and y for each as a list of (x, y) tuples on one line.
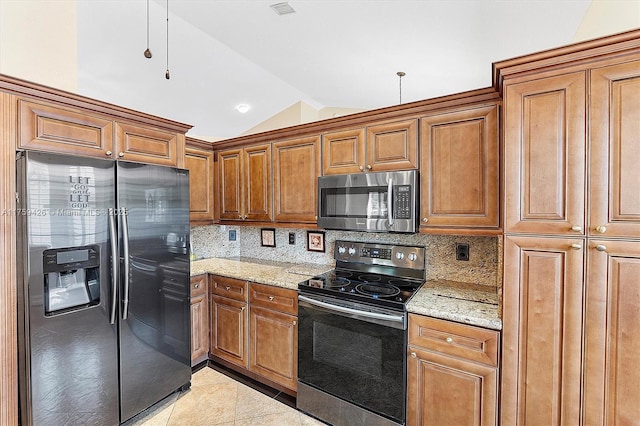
[(68, 355), (155, 357)]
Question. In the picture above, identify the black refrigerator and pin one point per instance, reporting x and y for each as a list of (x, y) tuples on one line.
[(103, 288)]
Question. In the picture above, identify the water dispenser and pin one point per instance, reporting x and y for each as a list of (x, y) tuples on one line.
[(71, 278)]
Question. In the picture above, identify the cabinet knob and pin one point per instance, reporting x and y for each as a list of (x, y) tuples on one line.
[(295, 322), (425, 219), (576, 246), (361, 168), (601, 229), (242, 309), (449, 339), (196, 285), (413, 355), (601, 247), (108, 153), (576, 228), (121, 154), (368, 166), (227, 288), (270, 298)]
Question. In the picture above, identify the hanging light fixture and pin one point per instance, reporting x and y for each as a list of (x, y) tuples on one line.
[(400, 74), (166, 74), (147, 53)]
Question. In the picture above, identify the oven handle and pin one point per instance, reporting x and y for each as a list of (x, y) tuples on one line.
[(343, 309)]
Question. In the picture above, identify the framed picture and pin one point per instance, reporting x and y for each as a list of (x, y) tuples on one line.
[(268, 237), (315, 241)]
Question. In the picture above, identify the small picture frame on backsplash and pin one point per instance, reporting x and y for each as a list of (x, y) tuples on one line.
[(315, 241), (268, 237)]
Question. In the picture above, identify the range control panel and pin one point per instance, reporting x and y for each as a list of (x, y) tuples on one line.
[(380, 254)]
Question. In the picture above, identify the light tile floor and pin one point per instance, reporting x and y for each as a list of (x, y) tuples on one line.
[(216, 399)]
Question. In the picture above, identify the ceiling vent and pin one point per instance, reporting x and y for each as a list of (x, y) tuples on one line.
[(282, 8)]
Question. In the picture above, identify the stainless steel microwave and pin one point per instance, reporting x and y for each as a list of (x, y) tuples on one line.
[(372, 202)]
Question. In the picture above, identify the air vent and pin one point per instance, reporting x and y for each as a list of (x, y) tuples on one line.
[(282, 8)]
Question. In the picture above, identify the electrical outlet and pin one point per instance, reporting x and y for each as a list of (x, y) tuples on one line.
[(462, 251), (292, 238), (232, 235)]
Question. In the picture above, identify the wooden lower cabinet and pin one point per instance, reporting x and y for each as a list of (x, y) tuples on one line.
[(273, 344), (229, 330), (611, 392), (199, 319), (542, 330), (452, 373)]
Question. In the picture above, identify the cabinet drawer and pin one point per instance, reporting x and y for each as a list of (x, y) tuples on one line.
[(198, 285), (460, 340), (276, 298), (229, 287)]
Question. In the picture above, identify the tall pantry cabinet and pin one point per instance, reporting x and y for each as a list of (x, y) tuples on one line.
[(571, 292)]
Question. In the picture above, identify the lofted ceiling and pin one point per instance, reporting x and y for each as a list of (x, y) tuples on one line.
[(329, 54)]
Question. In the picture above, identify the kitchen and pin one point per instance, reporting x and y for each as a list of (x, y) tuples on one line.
[(248, 242)]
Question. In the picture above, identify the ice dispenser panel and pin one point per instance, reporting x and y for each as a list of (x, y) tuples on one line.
[(71, 278)]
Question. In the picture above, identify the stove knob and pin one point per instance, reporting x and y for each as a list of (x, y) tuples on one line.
[(341, 250), (341, 288), (412, 257), (399, 255), (352, 251)]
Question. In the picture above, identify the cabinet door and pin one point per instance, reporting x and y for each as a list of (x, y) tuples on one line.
[(146, 145), (459, 172), (257, 183), (542, 331), (229, 330), (615, 151), (544, 149), (230, 184), (612, 325), (343, 152), (199, 319), (392, 146), (296, 167), (200, 165), (67, 130), (274, 346), (444, 390)]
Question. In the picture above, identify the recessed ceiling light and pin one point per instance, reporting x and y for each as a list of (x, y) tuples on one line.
[(282, 8), (243, 108)]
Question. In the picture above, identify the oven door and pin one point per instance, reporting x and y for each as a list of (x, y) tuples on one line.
[(355, 355)]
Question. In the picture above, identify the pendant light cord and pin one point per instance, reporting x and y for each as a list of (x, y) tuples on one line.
[(147, 53), (166, 74), (400, 74)]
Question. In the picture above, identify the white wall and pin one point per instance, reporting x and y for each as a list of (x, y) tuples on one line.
[(606, 17), (38, 42)]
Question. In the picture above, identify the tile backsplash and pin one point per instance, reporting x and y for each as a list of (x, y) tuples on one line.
[(483, 267)]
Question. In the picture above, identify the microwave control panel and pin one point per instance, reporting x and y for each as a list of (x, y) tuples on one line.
[(402, 202)]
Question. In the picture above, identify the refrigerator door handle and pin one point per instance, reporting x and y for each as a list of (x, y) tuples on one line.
[(125, 254), (114, 264)]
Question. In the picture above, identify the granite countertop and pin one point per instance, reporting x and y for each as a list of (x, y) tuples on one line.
[(456, 301), (449, 300), (280, 274)]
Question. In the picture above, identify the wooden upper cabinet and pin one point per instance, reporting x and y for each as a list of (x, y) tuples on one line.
[(542, 331), (54, 128), (459, 172), (245, 183), (200, 164), (68, 130), (343, 152), (296, 167), (387, 146), (544, 154), (392, 146), (257, 183), (612, 377), (147, 145), (614, 173), (229, 184)]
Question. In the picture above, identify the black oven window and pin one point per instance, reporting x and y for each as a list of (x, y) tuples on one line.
[(340, 347)]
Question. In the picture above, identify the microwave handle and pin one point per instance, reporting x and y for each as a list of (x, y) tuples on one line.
[(389, 203)]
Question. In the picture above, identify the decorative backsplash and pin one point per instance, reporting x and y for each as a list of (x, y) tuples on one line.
[(483, 267)]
